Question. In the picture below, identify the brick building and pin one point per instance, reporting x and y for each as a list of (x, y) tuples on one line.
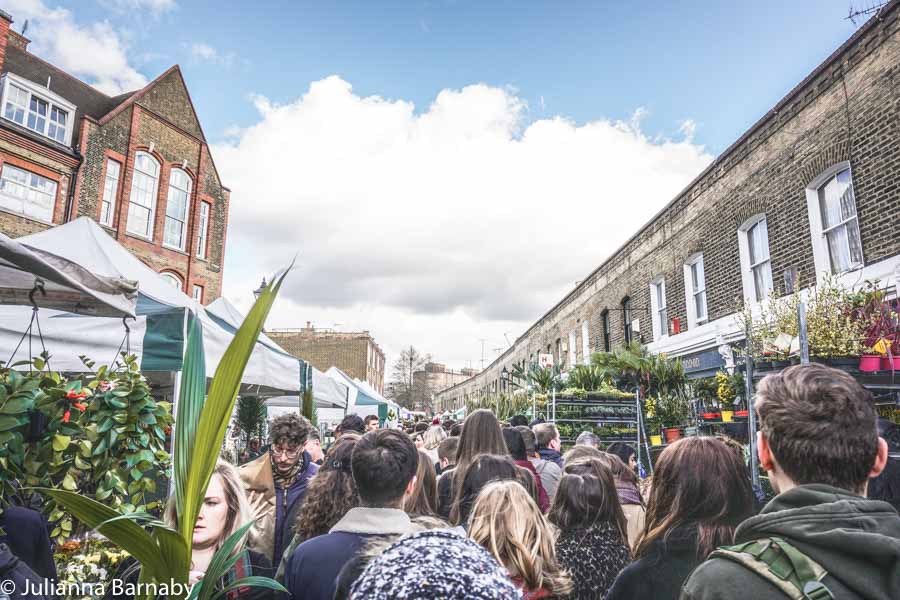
[(354, 353), (812, 189), (137, 163), (435, 378)]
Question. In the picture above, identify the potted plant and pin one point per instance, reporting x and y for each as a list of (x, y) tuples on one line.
[(726, 393), (882, 330)]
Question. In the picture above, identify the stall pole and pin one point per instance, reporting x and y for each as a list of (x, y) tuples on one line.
[(751, 411), (804, 333)]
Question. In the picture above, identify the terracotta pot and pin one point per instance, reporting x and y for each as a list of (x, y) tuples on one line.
[(869, 363), (672, 434)]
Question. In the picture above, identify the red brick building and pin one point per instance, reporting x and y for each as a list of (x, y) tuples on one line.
[(137, 163)]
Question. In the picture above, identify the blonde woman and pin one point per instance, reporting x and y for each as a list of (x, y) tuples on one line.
[(432, 439), (508, 523), (225, 510)]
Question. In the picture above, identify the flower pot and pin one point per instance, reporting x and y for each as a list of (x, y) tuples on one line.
[(711, 416), (869, 363), (656, 440), (727, 416), (843, 362), (890, 363), (742, 413), (672, 434)]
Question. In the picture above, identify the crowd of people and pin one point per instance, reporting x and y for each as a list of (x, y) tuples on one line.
[(484, 509)]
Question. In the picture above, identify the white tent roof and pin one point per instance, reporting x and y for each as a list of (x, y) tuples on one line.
[(60, 283)]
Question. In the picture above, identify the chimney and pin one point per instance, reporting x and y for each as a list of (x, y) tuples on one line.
[(18, 40), (5, 22)]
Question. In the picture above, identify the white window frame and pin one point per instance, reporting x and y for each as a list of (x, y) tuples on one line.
[(187, 208), (154, 197), (197, 293), (585, 343), (173, 278), (52, 100), (573, 349), (821, 254), (690, 292), (203, 228), (748, 282), (110, 192), (17, 199), (660, 326)]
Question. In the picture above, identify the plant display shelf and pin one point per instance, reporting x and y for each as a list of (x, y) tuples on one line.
[(575, 415)]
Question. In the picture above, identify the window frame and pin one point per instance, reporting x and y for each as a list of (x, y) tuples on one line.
[(154, 196), (748, 267), (604, 330), (187, 209), (658, 292), (203, 229), (115, 192), (818, 233), (34, 90), (29, 173), (169, 275), (573, 349), (194, 289), (690, 293), (585, 343), (627, 313)]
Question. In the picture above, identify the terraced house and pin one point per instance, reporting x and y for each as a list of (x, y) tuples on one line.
[(137, 163), (811, 190)]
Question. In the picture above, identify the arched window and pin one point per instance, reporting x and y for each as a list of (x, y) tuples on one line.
[(173, 280), (175, 232), (142, 203), (831, 204), (756, 266), (626, 319)]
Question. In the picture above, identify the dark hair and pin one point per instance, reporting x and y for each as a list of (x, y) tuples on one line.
[(537, 421), (484, 469), (383, 463), (421, 427), (447, 449), (698, 482), (577, 453), (587, 497), (515, 445), (622, 450), (526, 478), (528, 438), (517, 420), (352, 423), (313, 435), (423, 500), (331, 493), (545, 433), (480, 435), (291, 429), (370, 418), (456, 430), (820, 425)]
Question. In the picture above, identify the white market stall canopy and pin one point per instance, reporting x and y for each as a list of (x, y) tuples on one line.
[(157, 334), (32, 275)]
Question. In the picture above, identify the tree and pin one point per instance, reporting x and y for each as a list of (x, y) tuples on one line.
[(251, 415), (405, 388)]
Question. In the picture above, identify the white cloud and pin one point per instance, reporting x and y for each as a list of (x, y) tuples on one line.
[(434, 228), (155, 7), (206, 53), (94, 52)]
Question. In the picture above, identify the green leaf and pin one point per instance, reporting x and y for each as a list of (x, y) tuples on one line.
[(8, 422), (105, 425), (254, 581), (221, 562), (17, 405), (61, 442), (101, 447), (69, 483), (191, 398), (74, 386)]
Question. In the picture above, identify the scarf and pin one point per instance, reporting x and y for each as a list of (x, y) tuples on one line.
[(628, 494), (286, 480)]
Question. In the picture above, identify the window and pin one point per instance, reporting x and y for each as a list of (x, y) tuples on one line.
[(756, 268), (695, 287), (198, 293), (840, 227), (110, 188), (176, 209), (626, 319), (658, 306), (204, 228), (37, 108), (27, 194), (142, 206), (172, 280), (585, 343), (604, 328), (573, 345)]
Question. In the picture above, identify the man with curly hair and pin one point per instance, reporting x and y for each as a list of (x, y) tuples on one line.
[(276, 483)]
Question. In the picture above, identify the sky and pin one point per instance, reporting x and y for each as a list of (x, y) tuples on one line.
[(445, 171)]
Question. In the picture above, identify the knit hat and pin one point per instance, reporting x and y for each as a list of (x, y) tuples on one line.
[(434, 564)]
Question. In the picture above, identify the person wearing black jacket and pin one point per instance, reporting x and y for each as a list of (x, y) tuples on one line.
[(27, 585), (25, 534)]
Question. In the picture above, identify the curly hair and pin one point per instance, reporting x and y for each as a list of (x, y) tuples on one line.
[(292, 429), (331, 492)]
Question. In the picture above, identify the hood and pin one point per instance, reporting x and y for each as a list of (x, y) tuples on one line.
[(855, 539)]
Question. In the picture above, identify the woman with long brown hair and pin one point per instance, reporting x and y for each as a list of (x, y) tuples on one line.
[(481, 434), (508, 523), (593, 540), (701, 493), (423, 501)]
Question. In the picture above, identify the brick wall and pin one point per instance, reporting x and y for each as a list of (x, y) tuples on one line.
[(848, 110), (323, 350)]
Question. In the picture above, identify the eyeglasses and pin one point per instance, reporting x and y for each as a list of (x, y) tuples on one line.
[(286, 452)]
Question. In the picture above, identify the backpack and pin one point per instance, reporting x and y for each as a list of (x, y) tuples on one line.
[(782, 565)]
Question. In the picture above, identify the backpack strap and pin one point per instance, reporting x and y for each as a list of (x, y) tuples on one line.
[(782, 565)]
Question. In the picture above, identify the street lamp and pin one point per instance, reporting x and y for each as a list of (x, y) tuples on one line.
[(262, 287)]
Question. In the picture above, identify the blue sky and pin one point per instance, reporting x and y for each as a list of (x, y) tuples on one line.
[(722, 64)]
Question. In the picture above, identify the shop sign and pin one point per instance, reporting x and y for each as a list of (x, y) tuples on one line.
[(702, 361)]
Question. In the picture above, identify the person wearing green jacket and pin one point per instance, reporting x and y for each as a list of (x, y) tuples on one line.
[(820, 538)]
